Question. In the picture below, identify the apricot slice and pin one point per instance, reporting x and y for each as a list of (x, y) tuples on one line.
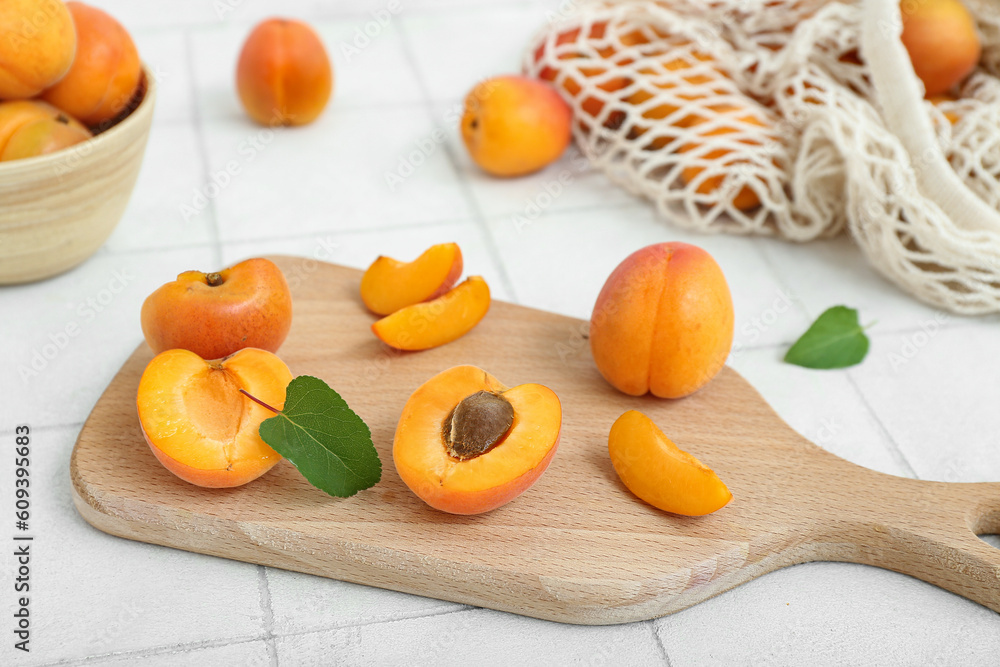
[(446, 318), (389, 284), (466, 444), (199, 425), (659, 472), (215, 314)]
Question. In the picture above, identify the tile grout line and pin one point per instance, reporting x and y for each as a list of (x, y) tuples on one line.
[(215, 24), (164, 649), (463, 183), (219, 643), (199, 132), (893, 447), (264, 590), (651, 623), (399, 619)]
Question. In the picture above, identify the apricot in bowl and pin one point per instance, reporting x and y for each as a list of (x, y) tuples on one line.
[(466, 444), (197, 422)]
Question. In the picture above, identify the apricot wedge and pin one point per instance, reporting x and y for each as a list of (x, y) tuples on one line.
[(433, 323), (199, 425), (389, 284), (660, 473), (466, 444)]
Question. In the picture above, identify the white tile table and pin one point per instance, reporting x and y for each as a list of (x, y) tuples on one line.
[(321, 192)]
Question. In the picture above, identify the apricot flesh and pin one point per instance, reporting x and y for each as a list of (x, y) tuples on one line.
[(37, 45), (389, 284), (663, 322), (484, 481), (513, 125), (437, 322), (660, 473), (216, 314), (941, 39), (199, 425), (106, 72)]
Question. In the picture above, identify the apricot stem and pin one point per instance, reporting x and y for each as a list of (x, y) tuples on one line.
[(214, 279), (258, 401)]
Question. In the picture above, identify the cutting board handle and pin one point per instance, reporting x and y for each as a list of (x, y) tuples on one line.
[(936, 539)]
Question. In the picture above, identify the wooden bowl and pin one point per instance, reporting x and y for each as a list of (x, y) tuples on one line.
[(56, 210)]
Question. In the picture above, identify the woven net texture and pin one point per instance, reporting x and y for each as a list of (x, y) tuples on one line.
[(761, 117)]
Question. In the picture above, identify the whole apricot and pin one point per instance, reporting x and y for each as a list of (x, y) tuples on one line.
[(513, 125), (284, 76), (941, 38), (16, 114), (105, 73), (37, 44), (663, 323), (43, 136), (216, 314)]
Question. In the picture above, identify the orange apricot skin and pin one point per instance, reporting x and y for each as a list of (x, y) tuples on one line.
[(37, 48), (437, 322), (513, 125), (663, 322), (251, 308), (477, 485), (659, 473), (941, 38), (41, 137), (746, 198), (284, 76), (105, 73), (389, 285), (478, 502), (16, 114), (241, 470)]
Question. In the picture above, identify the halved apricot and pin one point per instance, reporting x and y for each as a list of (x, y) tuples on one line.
[(442, 320), (389, 284), (466, 444), (659, 472), (199, 425)]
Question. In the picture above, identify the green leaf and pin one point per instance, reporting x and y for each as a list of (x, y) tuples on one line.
[(835, 340), (322, 437)]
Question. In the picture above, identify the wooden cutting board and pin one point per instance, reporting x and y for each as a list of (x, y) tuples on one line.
[(577, 547)]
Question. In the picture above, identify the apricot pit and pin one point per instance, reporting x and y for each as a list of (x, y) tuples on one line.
[(477, 424)]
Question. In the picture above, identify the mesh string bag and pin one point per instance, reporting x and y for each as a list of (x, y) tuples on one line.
[(799, 119)]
